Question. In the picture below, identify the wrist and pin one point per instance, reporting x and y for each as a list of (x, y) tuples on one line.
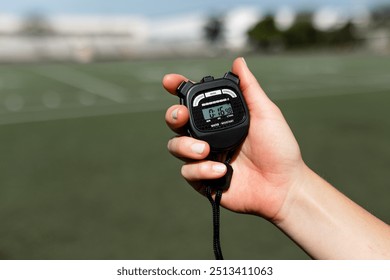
[(294, 195), (328, 225), (303, 216)]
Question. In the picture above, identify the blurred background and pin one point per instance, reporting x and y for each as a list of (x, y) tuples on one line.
[(84, 170)]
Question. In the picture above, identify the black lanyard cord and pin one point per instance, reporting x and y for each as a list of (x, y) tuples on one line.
[(218, 186), (215, 204)]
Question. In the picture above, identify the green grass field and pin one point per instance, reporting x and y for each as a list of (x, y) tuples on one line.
[(85, 174)]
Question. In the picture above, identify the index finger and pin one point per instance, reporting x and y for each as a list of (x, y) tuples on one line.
[(172, 81)]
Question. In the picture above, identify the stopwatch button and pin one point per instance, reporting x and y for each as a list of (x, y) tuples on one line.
[(233, 77), (183, 88), (207, 79)]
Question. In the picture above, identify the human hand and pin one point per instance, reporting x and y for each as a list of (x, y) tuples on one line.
[(267, 167), (271, 180)]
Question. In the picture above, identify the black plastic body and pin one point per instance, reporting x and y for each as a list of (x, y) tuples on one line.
[(222, 135)]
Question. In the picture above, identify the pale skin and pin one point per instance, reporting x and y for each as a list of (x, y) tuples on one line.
[(272, 181)]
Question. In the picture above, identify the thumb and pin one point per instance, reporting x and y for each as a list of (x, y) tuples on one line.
[(249, 85)]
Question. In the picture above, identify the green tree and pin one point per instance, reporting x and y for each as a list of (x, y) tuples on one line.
[(301, 34), (264, 35), (339, 37)]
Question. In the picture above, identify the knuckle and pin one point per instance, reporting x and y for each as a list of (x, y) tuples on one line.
[(194, 171), (175, 144), (180, 145), (203, 169)]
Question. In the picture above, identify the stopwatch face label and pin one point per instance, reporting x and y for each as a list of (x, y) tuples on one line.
[(216, 109)]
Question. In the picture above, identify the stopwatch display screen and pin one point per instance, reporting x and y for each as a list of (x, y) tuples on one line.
[(217, 111)]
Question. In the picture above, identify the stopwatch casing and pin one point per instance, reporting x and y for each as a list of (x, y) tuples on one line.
[(217, 109)]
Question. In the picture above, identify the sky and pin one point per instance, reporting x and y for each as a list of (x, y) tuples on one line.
[(158, 8)]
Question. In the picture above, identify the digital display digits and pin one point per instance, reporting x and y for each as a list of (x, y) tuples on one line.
[(217, 111)]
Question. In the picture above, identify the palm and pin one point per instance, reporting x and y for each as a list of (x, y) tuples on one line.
[(271, 151)]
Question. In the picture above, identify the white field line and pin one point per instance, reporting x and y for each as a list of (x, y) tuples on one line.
[(86, 82), (39, 114), (74, 112)]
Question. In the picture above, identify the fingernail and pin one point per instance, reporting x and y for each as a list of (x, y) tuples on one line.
[(219, 168), (174, 113), (243, 59), (169, 144), (198, 148)]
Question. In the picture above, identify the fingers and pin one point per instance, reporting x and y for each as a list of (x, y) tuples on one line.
[(188, 147), (172, 81), (176, 118), (203, 170), (192, 149)]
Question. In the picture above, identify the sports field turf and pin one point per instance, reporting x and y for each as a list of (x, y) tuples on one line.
[(85, 174)]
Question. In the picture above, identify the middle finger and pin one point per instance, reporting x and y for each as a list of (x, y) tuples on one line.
[(188, 147)]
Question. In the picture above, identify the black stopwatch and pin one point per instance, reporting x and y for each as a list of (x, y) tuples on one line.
[(218, 112), (219, 116)]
